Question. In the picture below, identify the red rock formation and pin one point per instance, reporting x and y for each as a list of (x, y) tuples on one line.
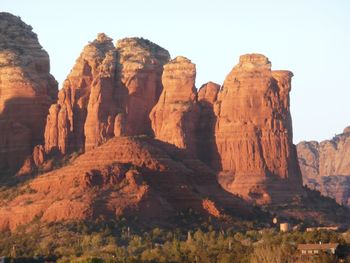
[(66, 129), (105, 84), (57, 128), (102, 106), (254, 132), (208, 93), (39, 155), (326, 166), (26, 91), (141, 66), (119, 125), (126, 176), (206, 146), (175, 116), (32, 162)]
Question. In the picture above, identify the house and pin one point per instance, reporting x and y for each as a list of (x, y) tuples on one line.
[(315, 249), (285, 227)]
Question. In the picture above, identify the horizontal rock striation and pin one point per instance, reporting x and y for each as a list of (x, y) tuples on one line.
[(26, 91), (175, 116), (254, 132)]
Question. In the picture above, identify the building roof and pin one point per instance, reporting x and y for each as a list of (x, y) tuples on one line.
[(318, 246), (334, 228)]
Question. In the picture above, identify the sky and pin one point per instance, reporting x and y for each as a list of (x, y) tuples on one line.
[(309, 37)]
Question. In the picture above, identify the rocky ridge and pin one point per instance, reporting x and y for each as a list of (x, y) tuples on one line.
[(326, 166)]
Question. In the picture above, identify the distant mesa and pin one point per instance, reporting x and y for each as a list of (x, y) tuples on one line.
[(326, 166)]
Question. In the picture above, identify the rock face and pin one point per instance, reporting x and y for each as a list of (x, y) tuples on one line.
[(109, 92), (69, 123), (26, 91), (102, 105), (243, 131), (175, 116), (254, 132), (140, 71), (206, 145), (326, 166), (125, 176)]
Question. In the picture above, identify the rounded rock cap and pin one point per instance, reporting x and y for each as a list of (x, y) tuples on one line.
[(180, 59), (102, 37), (253, 62), (254, 58)]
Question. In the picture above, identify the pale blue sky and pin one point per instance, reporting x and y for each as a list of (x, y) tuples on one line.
[(309, 37)]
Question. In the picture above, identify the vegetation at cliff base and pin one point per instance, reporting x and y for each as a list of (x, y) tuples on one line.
[(116, 241)]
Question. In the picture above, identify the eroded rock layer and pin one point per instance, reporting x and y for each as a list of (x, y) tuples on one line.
[(175, 116), (325, 166), (26, 91), (109, 92), (140, 72), (206, 145), (254, 132)]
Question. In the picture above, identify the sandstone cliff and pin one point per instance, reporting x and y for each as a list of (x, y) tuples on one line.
[(140, 72), (206, 145), (67, 124), (109, 92), (26, 91), (243, 130), (326, 166), (254, 132), (175, 116)]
